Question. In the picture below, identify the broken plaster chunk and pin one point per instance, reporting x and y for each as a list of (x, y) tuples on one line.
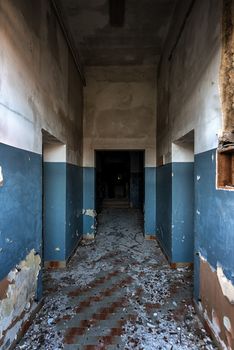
[(89, 212), (20, 291), (1, 177), (226, 285), (227, 324)]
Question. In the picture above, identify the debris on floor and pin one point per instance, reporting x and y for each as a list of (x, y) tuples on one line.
[(118, 293)]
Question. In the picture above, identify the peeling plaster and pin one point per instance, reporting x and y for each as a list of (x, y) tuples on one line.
[(89, 212), (1, 177), (219, 315), (226, 285), (18, 297), (227, 324)]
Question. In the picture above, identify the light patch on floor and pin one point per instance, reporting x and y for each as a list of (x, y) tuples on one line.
[(118, 292)]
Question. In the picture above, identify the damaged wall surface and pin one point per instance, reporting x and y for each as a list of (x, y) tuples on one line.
[(40, 88), (185, 113), (120, 114), (17, 297), (190, 73)]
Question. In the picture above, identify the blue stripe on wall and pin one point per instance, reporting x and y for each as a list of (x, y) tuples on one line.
[(164, 207), (183, 212), (175, 208), (21, 206), (54, 230), (74, 221), (63, 222), (150, 201), (88, 199), (214, 216)]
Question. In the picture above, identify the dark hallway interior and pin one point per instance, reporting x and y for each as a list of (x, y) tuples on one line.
[(116, 174), (119, 179)]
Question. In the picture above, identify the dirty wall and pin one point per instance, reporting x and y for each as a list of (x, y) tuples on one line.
[(120, 114), (189, 101), (39, 89)]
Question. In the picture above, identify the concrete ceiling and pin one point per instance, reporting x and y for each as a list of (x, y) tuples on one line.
[(139, 41)]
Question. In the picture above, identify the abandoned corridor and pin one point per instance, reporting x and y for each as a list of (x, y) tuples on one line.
[(116, 112)]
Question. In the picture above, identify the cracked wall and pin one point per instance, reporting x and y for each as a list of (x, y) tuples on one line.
[(196, 52), (40, 88), (17, 295)]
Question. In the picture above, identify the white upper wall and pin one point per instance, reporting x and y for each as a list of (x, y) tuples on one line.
[(53, 152), (39, 85), (120, 111), (188, 83)]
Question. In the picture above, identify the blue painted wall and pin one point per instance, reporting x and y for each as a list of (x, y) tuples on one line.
[(54, 228), (175, 209), (74, 206), (164, 208), (213, 213), (21, 206), (183, 212), (88, 199), (214, 218), (150, 201), (63, 197)]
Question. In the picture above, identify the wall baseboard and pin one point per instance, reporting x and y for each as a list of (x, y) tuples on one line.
[(173, 265), (150, 237), (178, 265), (61, 264), (89, 237)]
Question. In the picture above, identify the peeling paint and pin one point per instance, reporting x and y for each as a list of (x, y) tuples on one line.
[(227, 324), (1, 177), (18, 296), (226, 285), (89, 212), (216, 303)]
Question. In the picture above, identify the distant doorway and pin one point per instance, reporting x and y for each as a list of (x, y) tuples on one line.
[(119, 179)]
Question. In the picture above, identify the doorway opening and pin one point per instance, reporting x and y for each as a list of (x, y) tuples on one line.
[(54, 201), (119, 179), (183, 200)]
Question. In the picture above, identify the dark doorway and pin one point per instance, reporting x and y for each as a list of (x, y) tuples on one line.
[(119, 179)]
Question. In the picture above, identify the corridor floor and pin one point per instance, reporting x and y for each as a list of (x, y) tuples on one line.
[(117, 293)]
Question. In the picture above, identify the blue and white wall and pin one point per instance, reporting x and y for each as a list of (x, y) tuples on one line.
[(39, 89), (120, 114), (189, 99)]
